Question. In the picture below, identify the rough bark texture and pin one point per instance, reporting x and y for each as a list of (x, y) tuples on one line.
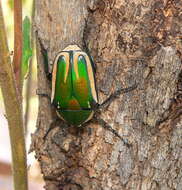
[(129, 41)]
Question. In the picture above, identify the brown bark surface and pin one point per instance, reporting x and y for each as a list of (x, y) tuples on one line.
[(129, 41)]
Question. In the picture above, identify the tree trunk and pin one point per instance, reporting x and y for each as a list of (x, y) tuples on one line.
[(130, 41)]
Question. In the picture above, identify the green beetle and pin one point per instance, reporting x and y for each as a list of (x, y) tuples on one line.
[(74, 91)]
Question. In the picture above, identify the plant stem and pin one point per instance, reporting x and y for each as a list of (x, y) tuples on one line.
[(13, 109), (17, 41)]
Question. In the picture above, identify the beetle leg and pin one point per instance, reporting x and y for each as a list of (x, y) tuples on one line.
[(52, 126), (115, 95), (106, 126), (94, 66), (88, 53), (45, 58), (43, 94)]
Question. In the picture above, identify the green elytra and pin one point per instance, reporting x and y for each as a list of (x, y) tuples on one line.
[(73, 86)]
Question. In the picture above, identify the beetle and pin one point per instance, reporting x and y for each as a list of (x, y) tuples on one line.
[(74, 93)]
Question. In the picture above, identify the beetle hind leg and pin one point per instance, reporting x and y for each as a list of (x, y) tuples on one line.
[(54, 124), (106, 126)]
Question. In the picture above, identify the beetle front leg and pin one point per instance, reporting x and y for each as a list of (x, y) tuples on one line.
[(115, 95), (45, 58)]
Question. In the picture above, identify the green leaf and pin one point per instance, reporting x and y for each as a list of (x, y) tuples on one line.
[(27, 50), (10, 3)]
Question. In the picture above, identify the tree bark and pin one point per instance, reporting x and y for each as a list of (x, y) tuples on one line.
[(130, 41)]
